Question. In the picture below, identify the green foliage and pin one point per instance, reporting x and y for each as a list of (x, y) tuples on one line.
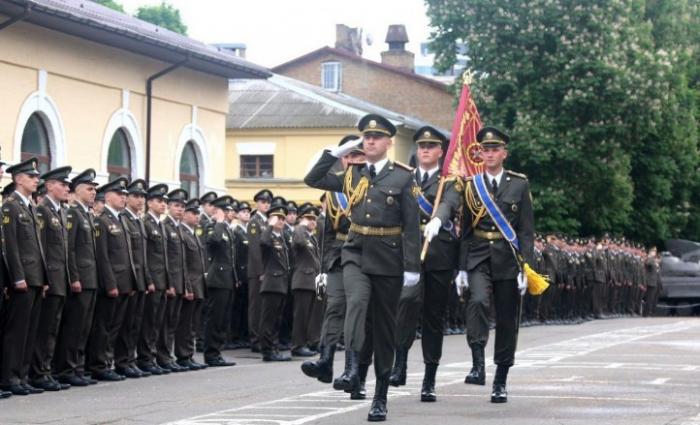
[(112, 4), (601, 100), (164, 15)]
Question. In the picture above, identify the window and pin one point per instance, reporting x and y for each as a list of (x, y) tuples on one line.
[(256, 166), (331, 73), (189, 171), (119, 156), (35, 142)]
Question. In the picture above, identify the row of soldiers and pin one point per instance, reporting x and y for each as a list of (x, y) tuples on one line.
[(119, 281)]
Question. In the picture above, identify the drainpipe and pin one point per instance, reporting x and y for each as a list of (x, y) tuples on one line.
[(149, 109), (15, 19)]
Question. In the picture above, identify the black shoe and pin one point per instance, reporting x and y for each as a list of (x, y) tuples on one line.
[(73, 381), (361, 392), (143, 373), (127, 372), (499, 393), (108, 375), (170, 367), (350, 380), (45, 383), (34, 390), (427, 392), (284, 346), (275, 357), (185, 363), (201, 366), (5, 394), (16, 389), (163, 371), (63, 386), (378, 410), (321, 369), (219, 362), (398, 373), (152, 369), (303, 352), (477, 375), (88, 379)]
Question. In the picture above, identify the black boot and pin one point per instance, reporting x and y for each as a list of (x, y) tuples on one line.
[(349, 380), (499, 393), (377, 412), (321, 369), (427, 392), (361, 393), (398, 373), (477, 375)]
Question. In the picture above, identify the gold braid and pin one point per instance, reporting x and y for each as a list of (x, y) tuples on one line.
[(478, 212), (354, 194), (334, 212)]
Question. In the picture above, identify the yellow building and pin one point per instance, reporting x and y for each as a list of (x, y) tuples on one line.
[(75, 91), (276, 129)]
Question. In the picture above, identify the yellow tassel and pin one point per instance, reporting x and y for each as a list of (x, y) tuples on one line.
[(536, 283)]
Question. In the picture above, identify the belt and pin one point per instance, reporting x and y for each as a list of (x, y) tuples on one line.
[(488, 235), (341, 236), (375, 231)]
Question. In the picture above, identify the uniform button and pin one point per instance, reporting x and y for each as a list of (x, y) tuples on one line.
[(369, 201), (367, 215), (493, 228), (371, 186), (491, 242)]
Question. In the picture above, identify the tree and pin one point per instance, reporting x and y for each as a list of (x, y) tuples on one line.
[(164, 15), (112, 4)]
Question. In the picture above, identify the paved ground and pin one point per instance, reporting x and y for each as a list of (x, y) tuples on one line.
[(624, 371)]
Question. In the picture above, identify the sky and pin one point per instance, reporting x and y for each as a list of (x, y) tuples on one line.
[(276, 31)]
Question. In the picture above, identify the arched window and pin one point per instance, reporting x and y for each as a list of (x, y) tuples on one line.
[(189, 171), (35, 142), (119, 156)]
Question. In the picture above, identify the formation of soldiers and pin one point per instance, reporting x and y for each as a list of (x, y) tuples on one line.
[(128, 281)]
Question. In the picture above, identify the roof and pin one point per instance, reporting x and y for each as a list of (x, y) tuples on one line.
[(91, 21), (279, 69), (283, 102)]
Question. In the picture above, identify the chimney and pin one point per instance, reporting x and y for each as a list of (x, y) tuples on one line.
[(237, 49), (348, 39), (397, 55)]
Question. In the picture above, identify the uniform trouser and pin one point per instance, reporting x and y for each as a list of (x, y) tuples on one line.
[(507, 304), (286, 319), (215, 335), (47, 335), (125, 346), (254, 307), (166, 337), (651, 298), (21, 318), (109, 316), (270, 306), (186, 331), (153, 314), (384, 293), (75, 330), (239, 313), (306, 329), (334, 314), (597, 298)]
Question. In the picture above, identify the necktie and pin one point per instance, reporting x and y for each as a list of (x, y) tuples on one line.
[(372, 172), (425, 178), (494, 185)]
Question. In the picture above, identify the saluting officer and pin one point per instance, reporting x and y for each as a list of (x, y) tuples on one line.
[(428, 299), (54, 240), (487, 264), (257, 224), (383, 246), (27, 279), (239, 321), (82, 265)]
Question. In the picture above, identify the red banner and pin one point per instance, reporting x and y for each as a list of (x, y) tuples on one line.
[(462, 157)]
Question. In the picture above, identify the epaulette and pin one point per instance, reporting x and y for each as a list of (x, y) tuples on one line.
[(404, 166), (513, 173), (340, 173)]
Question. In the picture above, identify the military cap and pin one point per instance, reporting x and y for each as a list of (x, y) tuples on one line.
[(117, 185), (86, 177), (100, 196), (8, 190), (208, 197), (428, 134), (25, 167), (193, 205), (177, 195), (278, 207), (244, 206), (40, 190), (292, 206), (350, 138), (263, 195), (491, 136), (309, 210), (223, 202), (59, 174), (376, 124), (234, 204), (138, 187)]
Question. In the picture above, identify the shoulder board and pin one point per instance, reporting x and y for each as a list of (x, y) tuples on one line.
[(404, 166), (340, 173), (513, 173)]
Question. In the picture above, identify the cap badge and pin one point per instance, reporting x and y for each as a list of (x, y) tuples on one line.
[(372, 124)]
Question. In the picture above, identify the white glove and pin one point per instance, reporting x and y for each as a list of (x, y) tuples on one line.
[(410, 279), (432, 228), (321, 283), (462, 282), (343, 150), (522, 283)]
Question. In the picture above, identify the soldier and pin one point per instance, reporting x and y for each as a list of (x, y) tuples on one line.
[(191, 310), (487, 264), (255, 267), (440, 262), (179, 286), (82, 266), (287, 316), (125, 348), (239, 321), (274, 283), (307, 264), (157, 278), (54, 240), (116, 278), (383, 246), (653, 283), (220, 281), (27, 279), (334, 233), (205, 221), (99, 204)]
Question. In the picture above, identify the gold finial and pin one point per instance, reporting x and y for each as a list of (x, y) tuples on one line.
[(468, 77)]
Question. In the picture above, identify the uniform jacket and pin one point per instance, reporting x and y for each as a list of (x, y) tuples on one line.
[(307, 262), (23, 251), (135, 228), (54, 240), (157, 263), (114, 263), (194, 260), (82, 255), (175, 252), (221, 245), (256, 226), (334, 222), (276, 262), (241, 253)]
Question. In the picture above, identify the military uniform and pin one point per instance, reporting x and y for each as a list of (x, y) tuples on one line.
[(257, 224), (239, 321)]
